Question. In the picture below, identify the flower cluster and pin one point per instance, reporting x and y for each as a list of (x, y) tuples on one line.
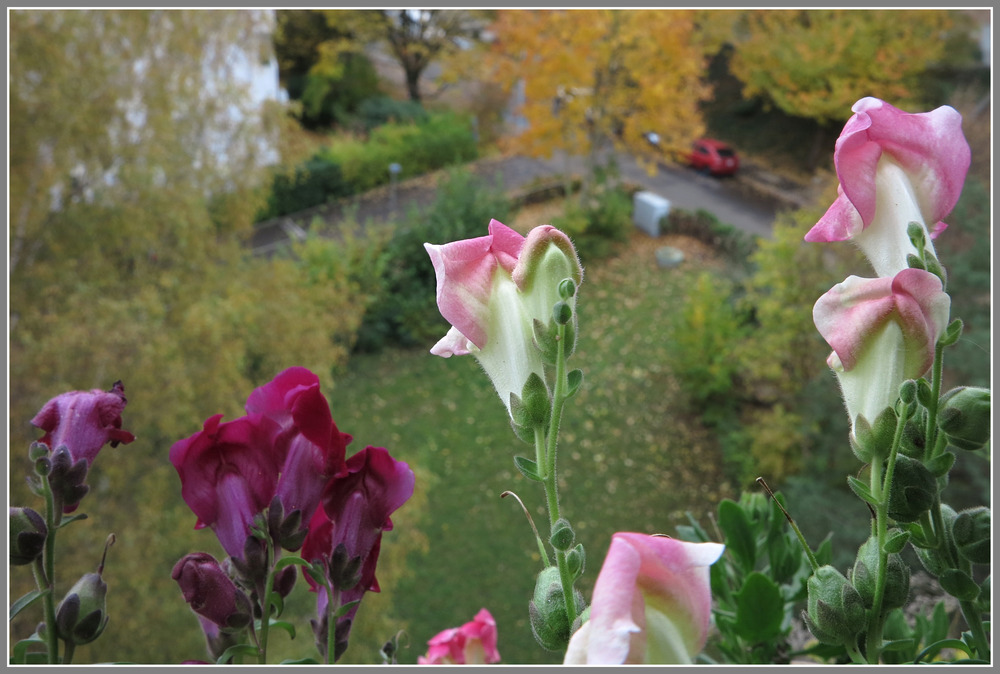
[(900, 175), (278, 479)]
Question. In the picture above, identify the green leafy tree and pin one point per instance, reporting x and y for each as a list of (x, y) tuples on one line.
[(133, 187)]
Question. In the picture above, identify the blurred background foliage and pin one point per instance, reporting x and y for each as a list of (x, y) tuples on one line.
[(128, 259)]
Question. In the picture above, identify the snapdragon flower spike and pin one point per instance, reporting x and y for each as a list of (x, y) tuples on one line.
[(474, 643), (652, 603), (492, 288), (84, 421), (894, 168), (356, 509), (883, 331), (316, 448)]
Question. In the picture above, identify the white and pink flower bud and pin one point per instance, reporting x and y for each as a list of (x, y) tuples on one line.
[(894, 168), (492, 288), (883, 331), (652, 603)]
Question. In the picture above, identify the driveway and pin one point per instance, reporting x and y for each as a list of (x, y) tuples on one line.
[(748, 201)]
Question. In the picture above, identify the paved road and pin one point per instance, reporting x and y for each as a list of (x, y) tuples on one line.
[(742, 201)]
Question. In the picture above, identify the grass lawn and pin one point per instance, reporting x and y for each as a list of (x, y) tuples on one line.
[(630, 460)]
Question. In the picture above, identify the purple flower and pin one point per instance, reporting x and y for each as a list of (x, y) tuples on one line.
[(84, 421)]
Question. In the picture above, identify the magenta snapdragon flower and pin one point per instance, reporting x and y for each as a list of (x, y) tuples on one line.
[(283, 452), (356, 509), (84, 421)]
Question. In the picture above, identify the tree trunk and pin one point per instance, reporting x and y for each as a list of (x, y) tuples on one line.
[(413, 83)]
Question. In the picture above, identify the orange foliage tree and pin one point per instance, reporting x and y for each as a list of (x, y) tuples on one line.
[(590, 76)]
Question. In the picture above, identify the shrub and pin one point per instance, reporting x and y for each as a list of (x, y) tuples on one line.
[(441, 140), (379, 110), (403, 310), (704, 226), (601, 223), (312, 183)]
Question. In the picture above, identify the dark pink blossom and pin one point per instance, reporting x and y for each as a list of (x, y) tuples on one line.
[(84, 421), (316, 448), (356, 510), (229, 473), (211, 593)]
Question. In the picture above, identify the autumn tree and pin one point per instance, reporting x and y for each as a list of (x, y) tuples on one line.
[(590, 76), (136, 164), (415, 38), (817, 63)]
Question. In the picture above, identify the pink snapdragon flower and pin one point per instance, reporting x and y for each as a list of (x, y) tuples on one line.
[(211, 593), (491, 288), (474, 643), (356, 509), (894, 168), (652, 603), (882, 331), (84, 421)]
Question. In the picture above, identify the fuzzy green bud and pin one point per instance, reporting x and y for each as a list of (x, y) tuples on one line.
[(547, 611), (82, 614), (912, 491), (872, 441), (865, 576), (964, 417), (836, 612), (971, 533), (27, 535), (562, 537)]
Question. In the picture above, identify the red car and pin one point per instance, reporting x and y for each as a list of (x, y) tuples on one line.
[(713, 157)]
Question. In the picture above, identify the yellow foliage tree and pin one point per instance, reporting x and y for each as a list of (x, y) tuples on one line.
[(590, 76), (817, 63)]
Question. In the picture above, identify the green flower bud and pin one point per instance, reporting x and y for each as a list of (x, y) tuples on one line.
[(865, 576), (82, 614), (964, 417), (547, 611), (836, 612), (913, 441), (872, 441), (912, 491), (562, 313), (934, 560), (567, 288), (27, 535), (562, 537), (971, 533)]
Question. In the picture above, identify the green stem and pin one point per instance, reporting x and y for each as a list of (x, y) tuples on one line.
[(975, 621), (880, 489), (68, 653), (550, 480), (930, 433), (265, 608), (52, 521), (331, 624)]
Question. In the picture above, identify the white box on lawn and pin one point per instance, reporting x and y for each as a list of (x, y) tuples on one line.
[(648, 208)]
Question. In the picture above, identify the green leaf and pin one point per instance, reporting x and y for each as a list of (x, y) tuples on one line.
[(941, 464), (301, 661), (528, 468), (72, 518), (824, 553), (344, 608), (697, 530), (861, 490), (959, 584), (738, 533), (238, 649), (896, 542), (760, 609), (288, 561), (545, 340), (26, 601), (574, 380), (937, 646), (951, 333), (284, 625), (21, 656)]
